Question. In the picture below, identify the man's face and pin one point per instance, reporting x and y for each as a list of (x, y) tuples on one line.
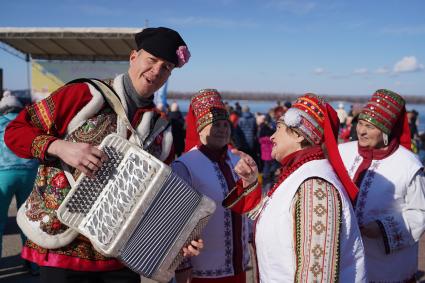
[(369, 135), (148, 72), (215, 135)]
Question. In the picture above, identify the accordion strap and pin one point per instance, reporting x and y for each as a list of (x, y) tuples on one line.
[(113, 100)]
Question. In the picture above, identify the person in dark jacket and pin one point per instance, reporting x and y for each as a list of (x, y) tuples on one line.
[(177, 128), (248, 126)]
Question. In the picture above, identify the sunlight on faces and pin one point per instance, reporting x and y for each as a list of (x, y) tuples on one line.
[(215, 135), (284, 142), (148, 72), (369, 135)]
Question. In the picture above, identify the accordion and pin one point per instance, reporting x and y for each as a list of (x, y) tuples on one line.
[(137, 210)]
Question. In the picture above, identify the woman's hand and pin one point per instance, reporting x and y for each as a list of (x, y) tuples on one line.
[(246, 168)]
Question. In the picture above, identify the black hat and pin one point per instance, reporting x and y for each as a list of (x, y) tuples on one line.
[(164, 43)]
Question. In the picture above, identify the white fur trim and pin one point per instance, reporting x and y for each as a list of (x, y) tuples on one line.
[(88, 111), (292, 118), (118, 86), (167, 141), (32, 230), (143, 129)]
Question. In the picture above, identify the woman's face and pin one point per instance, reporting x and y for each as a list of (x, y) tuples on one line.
[(284, 142), (369, 135), (215, 135)]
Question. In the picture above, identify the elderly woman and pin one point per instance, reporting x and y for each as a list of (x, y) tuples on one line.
[(390, 207), (305, 227), (208, 168)]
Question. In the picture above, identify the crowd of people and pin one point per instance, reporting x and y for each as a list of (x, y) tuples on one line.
[(322, 195)]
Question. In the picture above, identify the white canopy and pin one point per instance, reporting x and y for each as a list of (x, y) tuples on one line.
[(89, 44)]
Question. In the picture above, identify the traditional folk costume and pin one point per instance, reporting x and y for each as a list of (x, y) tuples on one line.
[(225, 255), (305, 228), (78, 112), (392, 191)]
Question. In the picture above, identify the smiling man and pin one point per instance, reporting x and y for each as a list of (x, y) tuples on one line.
[(66, 127), (390, 207)]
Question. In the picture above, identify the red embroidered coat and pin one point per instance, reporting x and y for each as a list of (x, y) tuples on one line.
[(29, 136)]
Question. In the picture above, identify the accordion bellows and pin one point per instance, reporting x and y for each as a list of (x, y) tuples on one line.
[(137, 210)]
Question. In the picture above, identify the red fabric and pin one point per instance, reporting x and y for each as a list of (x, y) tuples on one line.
[(331, 127), (401, 130), (192, 136), (294, 161), (370, 154), (234, 118), (239, 278), (245, 204), (68, 101), (220, 157), (68, 262)]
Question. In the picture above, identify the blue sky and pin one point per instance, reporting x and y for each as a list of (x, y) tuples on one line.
[(327, 47)]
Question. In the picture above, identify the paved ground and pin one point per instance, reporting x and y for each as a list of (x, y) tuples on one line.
[(13, 271)]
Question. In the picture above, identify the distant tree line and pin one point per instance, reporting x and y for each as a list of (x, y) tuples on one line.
[(269, 96)]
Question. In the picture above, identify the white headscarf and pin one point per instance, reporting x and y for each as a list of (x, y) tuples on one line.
[(9, 101)]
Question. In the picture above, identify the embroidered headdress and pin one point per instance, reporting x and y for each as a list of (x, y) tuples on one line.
[(383, 109), (307, 117), (205, 108), (318, 122)]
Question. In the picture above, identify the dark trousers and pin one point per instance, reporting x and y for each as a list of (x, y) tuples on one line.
[(55, 275)]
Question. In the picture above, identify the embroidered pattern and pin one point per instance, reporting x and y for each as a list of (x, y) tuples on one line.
[(95, 129), (364, 191), (50, 189), (41, 114), (354, 166), (228, 243), (317, 212), (394, 233), (81, 248), (39, 145)]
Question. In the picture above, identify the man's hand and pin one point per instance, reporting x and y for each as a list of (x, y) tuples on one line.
[(82, 156), (371, 230), (194, 248), (246, 168)]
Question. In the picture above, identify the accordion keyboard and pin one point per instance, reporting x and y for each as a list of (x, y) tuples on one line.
[(90, 188)]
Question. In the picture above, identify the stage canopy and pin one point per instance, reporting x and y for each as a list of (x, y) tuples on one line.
[(74, 44)]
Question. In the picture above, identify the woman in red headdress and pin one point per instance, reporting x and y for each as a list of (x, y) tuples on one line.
[(208, 167), (390, 208), (305, 227)]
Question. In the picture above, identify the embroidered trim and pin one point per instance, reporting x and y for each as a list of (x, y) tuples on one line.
[(228, 249), (249, 189), (41, 113), (39, 146), (317, 212), (394, 233), (354, 166), (364, 191)]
